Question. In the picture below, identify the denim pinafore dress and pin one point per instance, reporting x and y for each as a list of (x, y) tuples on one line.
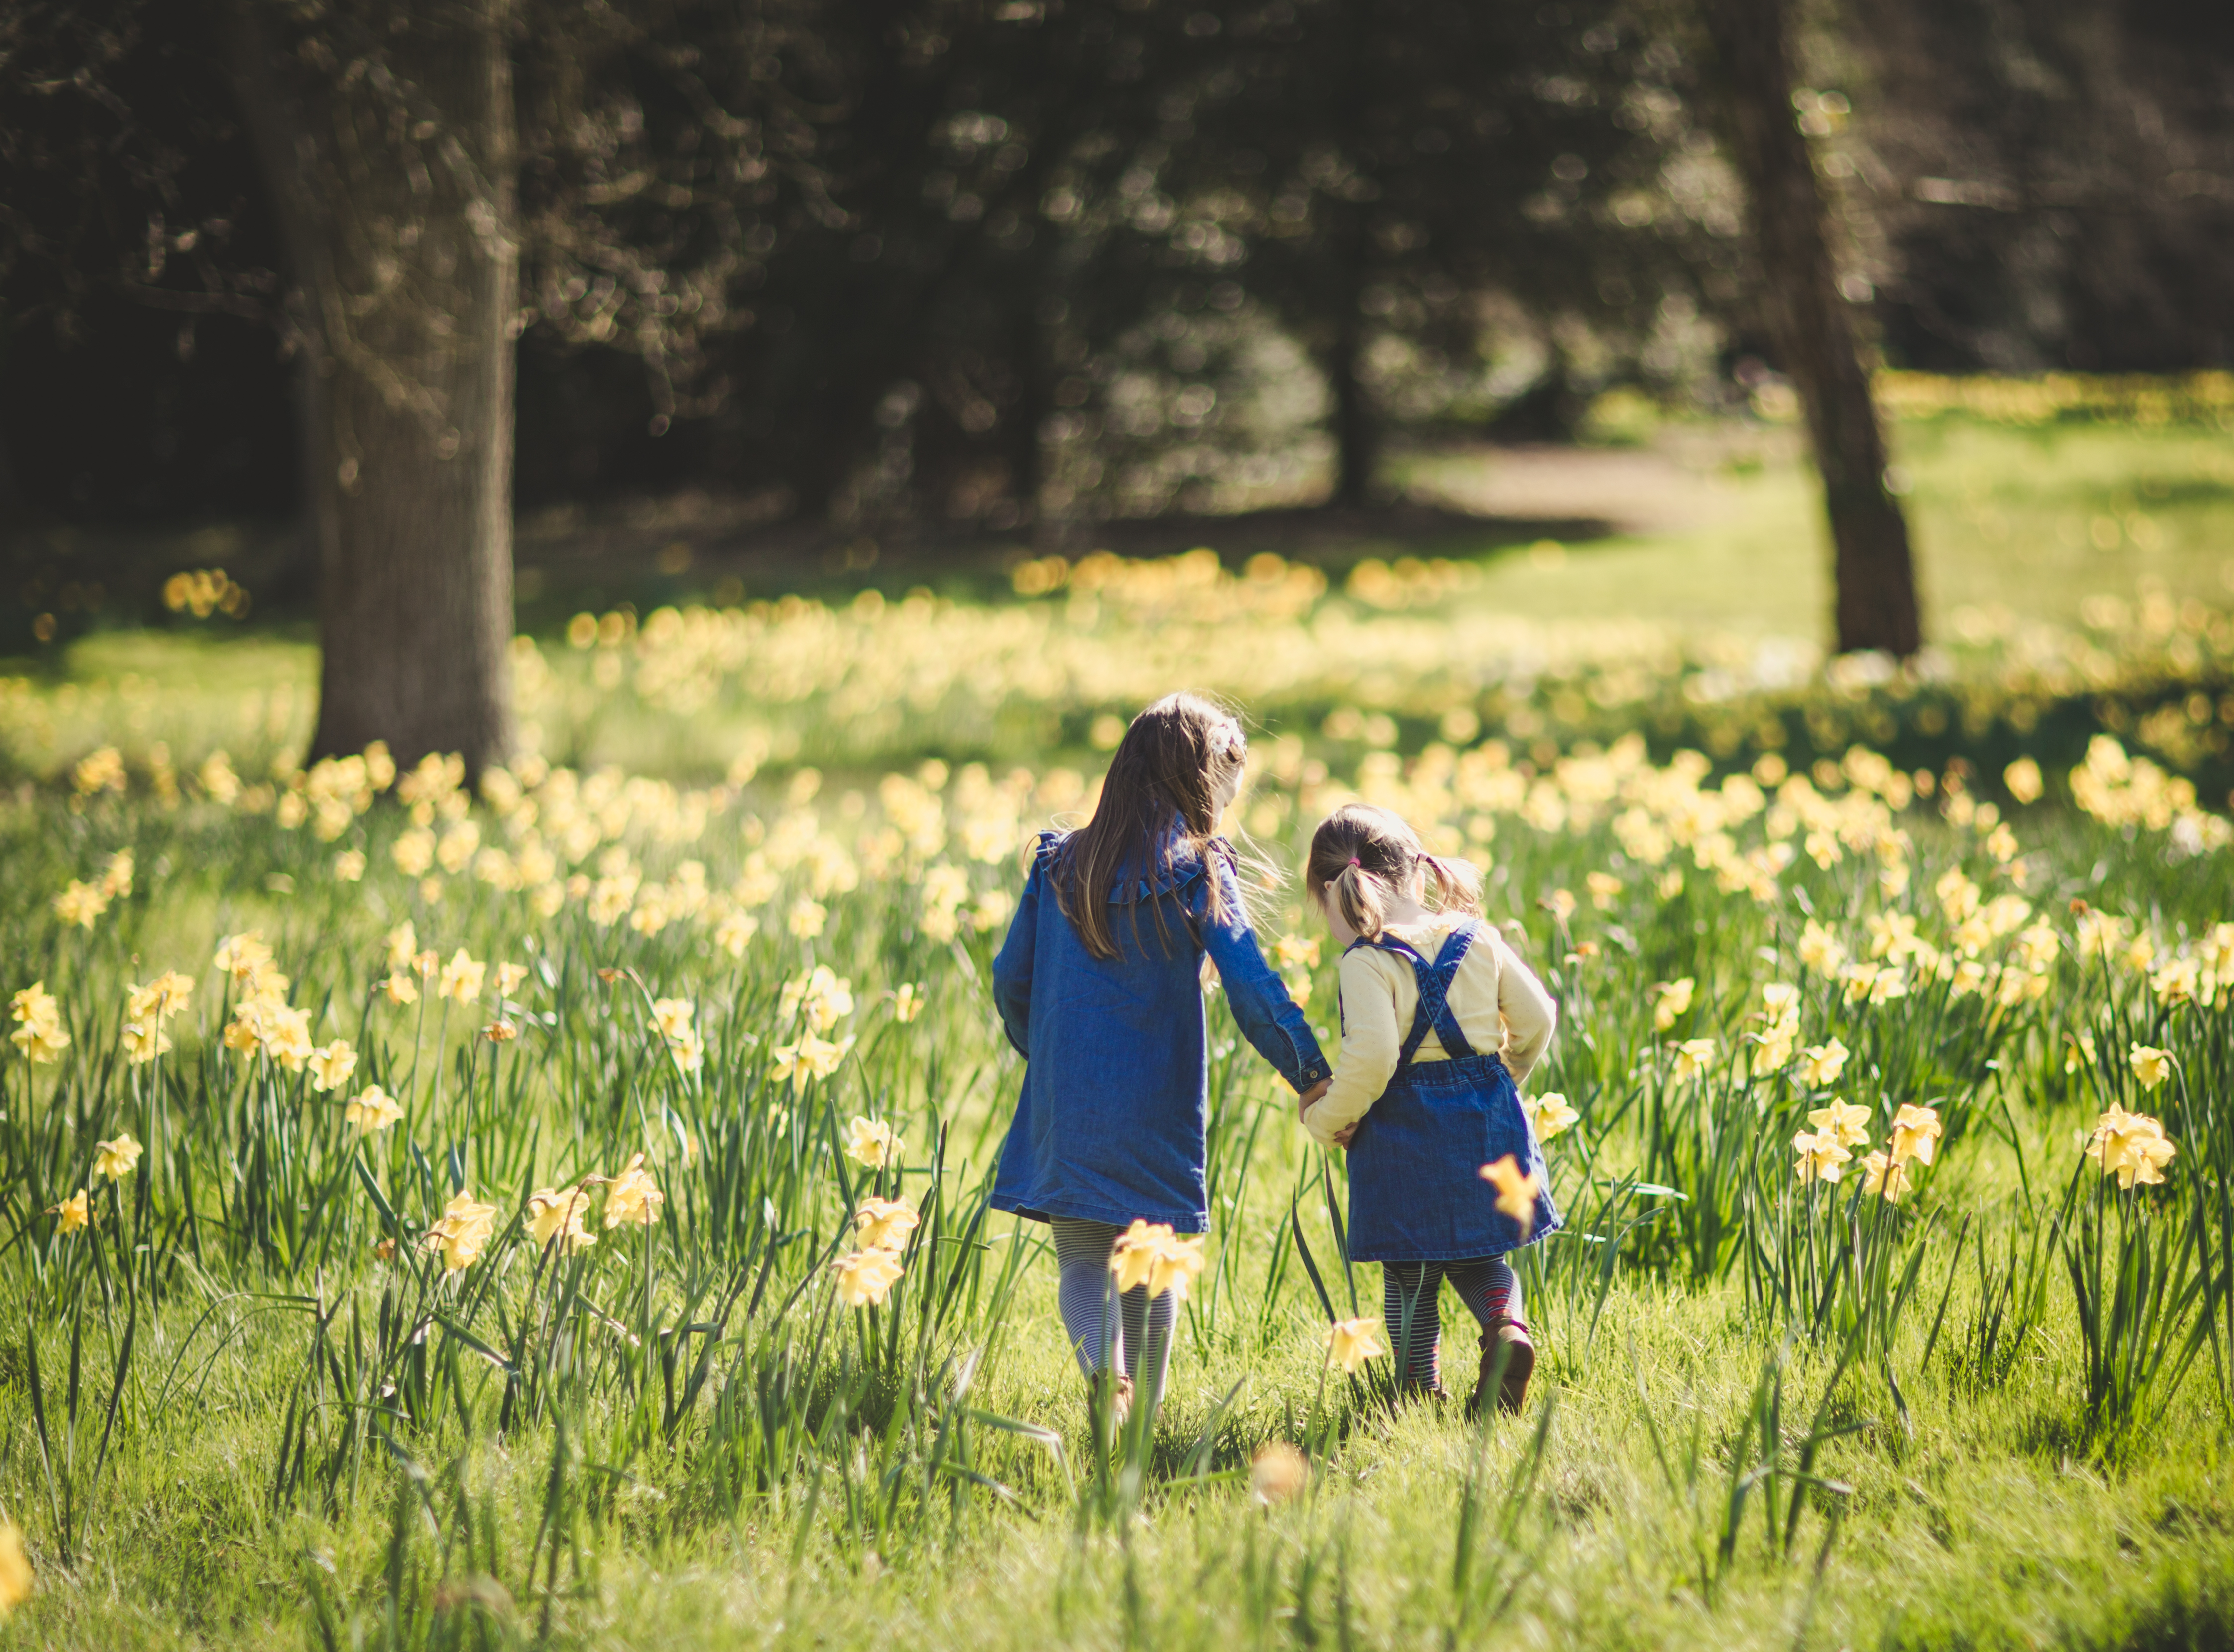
[(1416, 1190)]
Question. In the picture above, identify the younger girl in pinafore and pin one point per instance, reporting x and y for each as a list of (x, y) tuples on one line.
[(1100, 988), (1441, 1023)]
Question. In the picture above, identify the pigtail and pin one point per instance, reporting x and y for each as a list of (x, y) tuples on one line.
[(1361, 898), (1456, 885)]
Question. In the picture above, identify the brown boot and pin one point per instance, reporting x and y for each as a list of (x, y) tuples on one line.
[(1121, 1398), (1506, 1341)]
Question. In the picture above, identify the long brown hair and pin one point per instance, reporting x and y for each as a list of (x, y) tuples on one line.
[(1370, 855), (1173, 758)]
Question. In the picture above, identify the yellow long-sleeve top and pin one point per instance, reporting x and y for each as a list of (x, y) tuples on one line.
[(1500, 1005)]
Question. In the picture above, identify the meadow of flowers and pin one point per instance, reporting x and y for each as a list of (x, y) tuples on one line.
[(556, 1210)]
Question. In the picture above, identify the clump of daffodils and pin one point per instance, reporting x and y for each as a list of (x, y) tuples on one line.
[(38, 1018)]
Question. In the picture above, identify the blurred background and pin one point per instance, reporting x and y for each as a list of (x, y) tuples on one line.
[(404, 327)]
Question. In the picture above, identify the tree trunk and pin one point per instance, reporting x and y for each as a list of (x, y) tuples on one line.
[(1808, 320), (386, 132), (1357, 437), (1356, 448)]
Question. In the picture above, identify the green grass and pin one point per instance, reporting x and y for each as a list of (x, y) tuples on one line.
[(508, 1459), (2008, 518)]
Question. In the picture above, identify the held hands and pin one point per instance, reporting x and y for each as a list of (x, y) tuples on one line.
[(1309, 1099)]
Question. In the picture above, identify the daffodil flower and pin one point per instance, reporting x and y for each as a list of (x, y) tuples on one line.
[(116, 1160), (883, 1224), (1350, 1342), (1516, 1190), (871, 1143), (864, 1276), (1552, 1116), (1916, 1132), (372, 1110)]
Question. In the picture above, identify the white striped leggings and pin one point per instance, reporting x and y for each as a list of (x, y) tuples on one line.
[(1487, 1287), (1141, 1329)]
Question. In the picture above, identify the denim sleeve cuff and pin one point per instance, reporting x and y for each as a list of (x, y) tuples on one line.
[(1311, 1075)]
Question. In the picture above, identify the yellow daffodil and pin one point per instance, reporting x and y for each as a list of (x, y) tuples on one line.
[(16, 1578), (75, 1213), (1883, 1177), (1822, 1157), (1771, 1050), (907, 1001), (883, 1224), (1692, 1056), (1149, 1255), (1277, 1472), (1350, 1342), (462, 978), (806, 918), (1820, 1064), (864, 1276), (2150, 1066), (402, 945), (1516, 1190), (735, 932), (161, 999), (811, 1057), (1671, 999), (500, 1031), (822, 995), (554, 1217), (38, 1018), (350, 866), (144, 1041), (1916, 1132), (373, 1109), (243, 956), (633, 1197), (509, 978), (116, 1160), (1844, 1121), (462, 1232), (2132, 1146), (1820, 950), (331, 1066), (673, 1015), (399, 990), (1552, 1116), (80, 904)]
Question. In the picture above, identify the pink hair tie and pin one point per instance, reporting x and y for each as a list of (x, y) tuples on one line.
[(1353, 860)]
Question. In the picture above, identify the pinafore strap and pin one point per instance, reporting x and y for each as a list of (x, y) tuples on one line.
[(1434, 983)]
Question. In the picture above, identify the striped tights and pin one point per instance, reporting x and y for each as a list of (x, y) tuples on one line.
[(1487, 1286), (1141, 1330)]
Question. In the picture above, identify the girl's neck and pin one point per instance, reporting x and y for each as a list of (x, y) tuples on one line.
[(1403, 909)]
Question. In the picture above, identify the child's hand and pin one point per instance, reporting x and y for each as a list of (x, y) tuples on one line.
[(1341, 1137), (1308, 1099)]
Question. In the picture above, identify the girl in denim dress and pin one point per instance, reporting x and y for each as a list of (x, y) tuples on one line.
[(1100, 987), (1441, 1023)]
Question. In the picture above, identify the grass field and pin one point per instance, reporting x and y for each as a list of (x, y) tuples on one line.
[(302, 1370)]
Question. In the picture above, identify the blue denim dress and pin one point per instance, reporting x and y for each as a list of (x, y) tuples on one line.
[(1416, 1193), (1110, 1123)]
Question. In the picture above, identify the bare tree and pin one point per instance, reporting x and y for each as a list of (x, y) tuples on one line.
[(1807, 321)]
